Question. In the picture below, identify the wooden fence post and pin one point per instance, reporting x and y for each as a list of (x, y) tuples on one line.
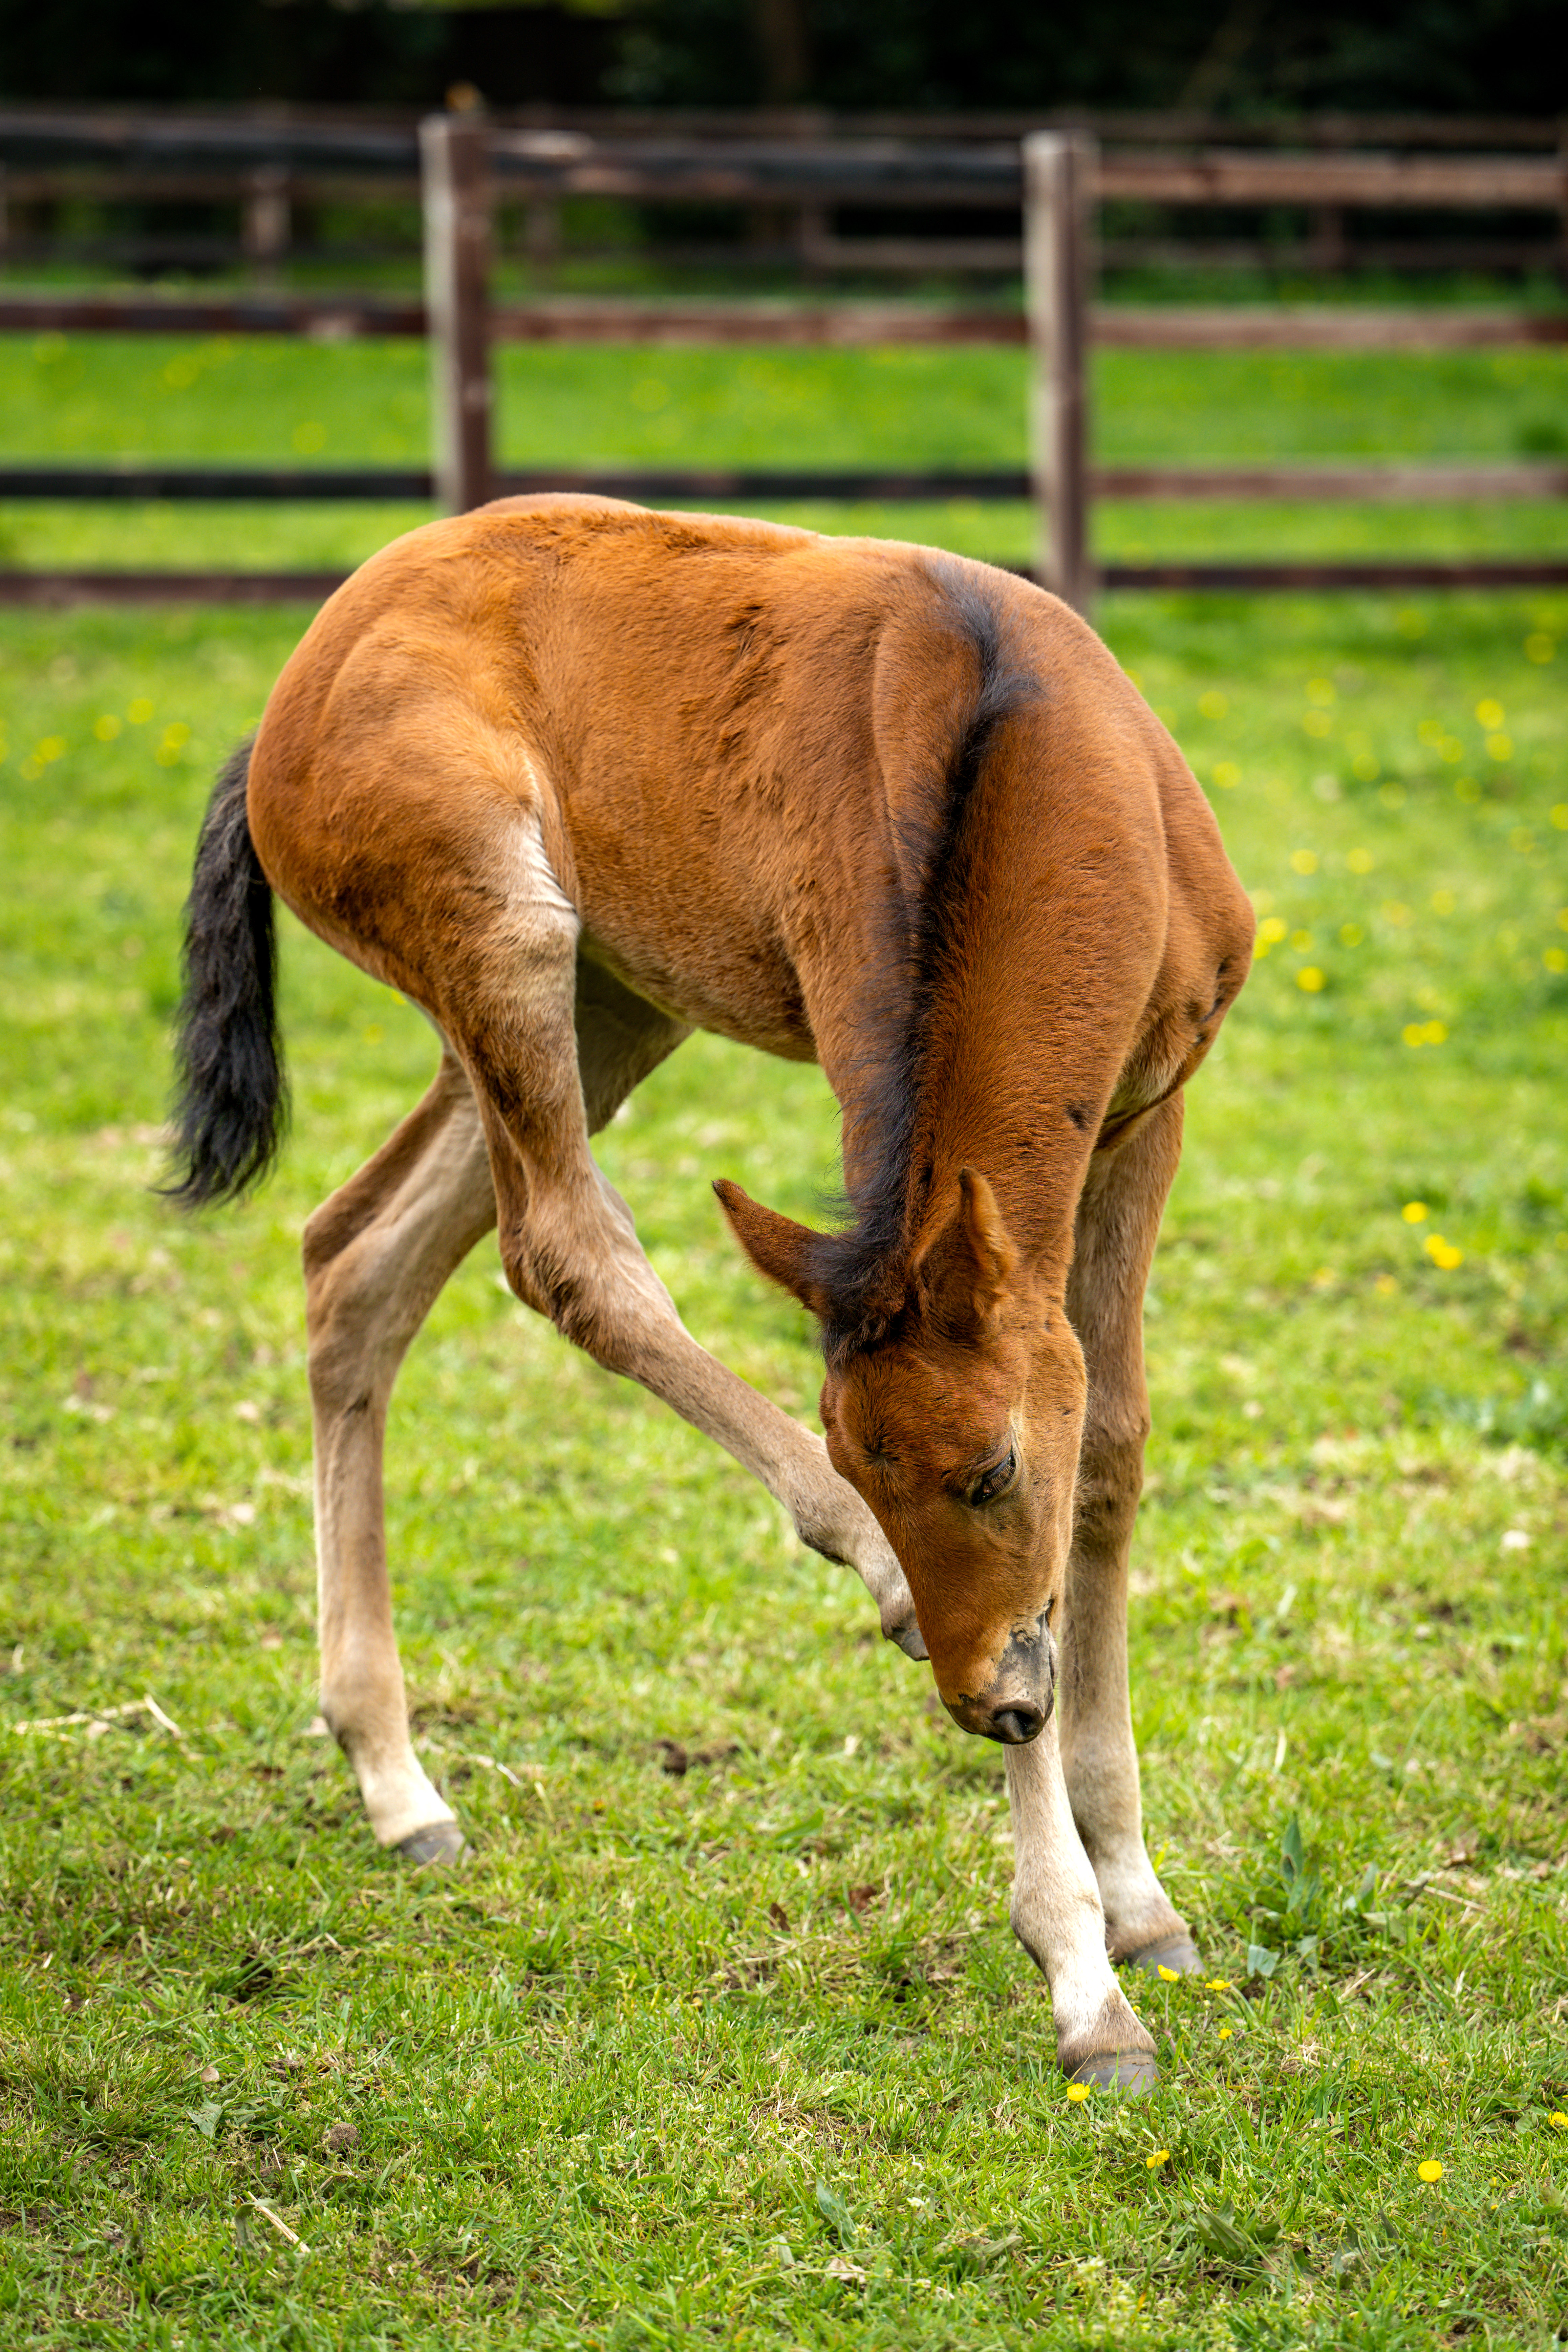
[(1058, 192), (455, 168)]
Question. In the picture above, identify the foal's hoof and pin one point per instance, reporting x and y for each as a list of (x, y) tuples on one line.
[(1131, 2071), (1176, 1955), (441, 1842)]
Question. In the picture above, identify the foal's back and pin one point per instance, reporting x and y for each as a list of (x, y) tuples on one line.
[(711, 737)]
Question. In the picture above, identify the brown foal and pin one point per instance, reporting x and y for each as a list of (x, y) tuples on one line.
[(579, 779)]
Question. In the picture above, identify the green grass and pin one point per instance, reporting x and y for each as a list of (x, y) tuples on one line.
[(748, 2055)]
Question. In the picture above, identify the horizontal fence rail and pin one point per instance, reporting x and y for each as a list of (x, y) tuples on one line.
[(794, 166), (1306, 483), (917, 170), (612, 318)]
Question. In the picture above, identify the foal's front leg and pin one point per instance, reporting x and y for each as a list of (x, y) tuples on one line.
[(1118, 1223), (1057, 1918), (570, 1247)]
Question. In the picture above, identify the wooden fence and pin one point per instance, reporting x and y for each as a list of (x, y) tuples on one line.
[(1057, 179)]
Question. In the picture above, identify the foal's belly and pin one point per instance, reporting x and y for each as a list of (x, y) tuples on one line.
[(725, 986)]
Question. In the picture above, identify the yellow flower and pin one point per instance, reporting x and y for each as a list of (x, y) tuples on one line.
[(1498, 746), (1443, 1252), (1416, 1212), (1304, 861), (1078, 2092), (1350, 935), (1560, 2120), (1430, 2171), (139, 711), (1228, 775), (1360, 861), (1560, 815), (1213, 705), (1310, 978), (107, 728), (1161, 2155), (1226, 2032), (1414, 1032), (1490, 715), (1556, 959), (1217, 1984)]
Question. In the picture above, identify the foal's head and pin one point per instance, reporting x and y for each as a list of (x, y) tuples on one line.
[(956, 1411)]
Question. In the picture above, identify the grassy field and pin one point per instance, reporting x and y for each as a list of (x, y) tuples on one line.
[(745, 2052)]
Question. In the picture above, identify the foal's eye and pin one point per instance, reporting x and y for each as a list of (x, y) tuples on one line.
[(996, 1480)]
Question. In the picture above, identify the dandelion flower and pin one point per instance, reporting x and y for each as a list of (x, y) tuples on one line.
[(1171, 1976), (1217, 1984), (1226, 2032), (1560, 2120), (1414, 1212), (1161, 2155), (1311, 978), (1430, 2171), (1077, 2093)]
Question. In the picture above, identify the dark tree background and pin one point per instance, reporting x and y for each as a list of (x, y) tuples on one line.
[(1244, 58)]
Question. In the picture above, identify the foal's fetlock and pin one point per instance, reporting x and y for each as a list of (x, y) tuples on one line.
[(1114, 2052), (405, 1811)]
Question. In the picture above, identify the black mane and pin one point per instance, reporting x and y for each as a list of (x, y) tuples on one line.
[(860, 1267)]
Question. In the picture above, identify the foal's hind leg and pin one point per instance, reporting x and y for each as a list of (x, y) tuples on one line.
[(376, 1256), (1118, 1221)]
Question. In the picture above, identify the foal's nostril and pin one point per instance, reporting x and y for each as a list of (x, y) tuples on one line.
[(1017, 1725)]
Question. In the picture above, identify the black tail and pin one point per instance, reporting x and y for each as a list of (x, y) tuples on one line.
[(233, 1100)]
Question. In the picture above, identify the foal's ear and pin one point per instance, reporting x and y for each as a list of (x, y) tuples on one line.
[(965, 1264), (776, 1245)]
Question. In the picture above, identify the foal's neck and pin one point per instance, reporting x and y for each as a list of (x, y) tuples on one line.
[(1023, 989)]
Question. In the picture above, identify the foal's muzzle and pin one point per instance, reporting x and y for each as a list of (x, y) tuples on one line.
[(1017, 1706)]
